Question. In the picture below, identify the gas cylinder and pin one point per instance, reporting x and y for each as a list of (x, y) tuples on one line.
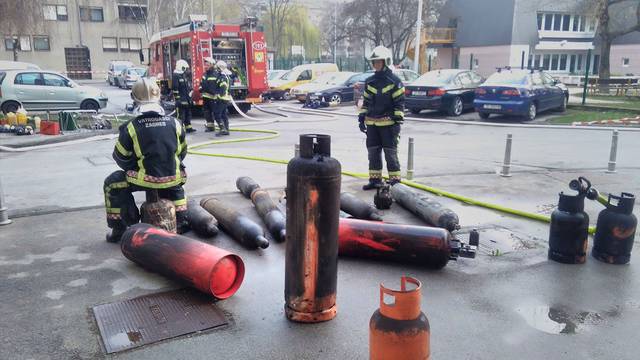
[(21, 117), (159, 212), (357, 208), (240, 227), (399, 330), (198, 264), (200, 220), (11, 119), (313, 208), (382, 199), (615, 230), (426, 208), (569, 230)]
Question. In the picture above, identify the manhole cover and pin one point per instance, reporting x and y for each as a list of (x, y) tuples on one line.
[(147, 319)]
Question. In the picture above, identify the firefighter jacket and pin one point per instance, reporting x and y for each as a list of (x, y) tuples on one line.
[(150, 149), (223, 84), (209, 84), (181, 88), (383, 97)]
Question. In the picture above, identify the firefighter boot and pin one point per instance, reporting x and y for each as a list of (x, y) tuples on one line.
[(116, 234), (374, 183), (182, 224)]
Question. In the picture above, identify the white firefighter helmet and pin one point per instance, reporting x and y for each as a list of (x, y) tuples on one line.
[(209, 61), (381, 53), (221, 65), (181, 65), (146, 95)]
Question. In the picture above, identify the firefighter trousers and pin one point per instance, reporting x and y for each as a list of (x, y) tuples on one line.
[(209, 109), (121, 206), (184, 114), (220, 113), (385, 138)]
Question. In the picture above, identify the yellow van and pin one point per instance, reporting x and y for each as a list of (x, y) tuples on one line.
[(301, 74)]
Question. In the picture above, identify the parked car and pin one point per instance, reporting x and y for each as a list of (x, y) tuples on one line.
[(300, 91), (129, 76), (301, 74), (339, 90), (520, 92), (46, 90), (449, 90), (274, 75), (405, 75), (17, 65), (115, 67)]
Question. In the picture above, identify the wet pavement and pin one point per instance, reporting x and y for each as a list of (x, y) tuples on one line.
[(510, 302)]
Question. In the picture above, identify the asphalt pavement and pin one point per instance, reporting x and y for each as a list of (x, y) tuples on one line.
[(505, 304)]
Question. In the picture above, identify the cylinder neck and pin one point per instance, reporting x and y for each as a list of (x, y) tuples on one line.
[(624, 204), (571, 203), (406, 302), (315, 144)]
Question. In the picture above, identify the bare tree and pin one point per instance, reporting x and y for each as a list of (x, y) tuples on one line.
[(335, 27), (13, 21), (277, 11)]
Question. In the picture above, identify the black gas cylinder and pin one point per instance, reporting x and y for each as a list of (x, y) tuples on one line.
[(615, 230), (569, 230)]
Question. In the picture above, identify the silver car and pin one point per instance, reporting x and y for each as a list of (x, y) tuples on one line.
[(129, 76), (46, 90)]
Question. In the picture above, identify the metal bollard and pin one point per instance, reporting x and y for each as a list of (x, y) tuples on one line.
[(506, 166), (614, 153), (4, 216), (296, 150), (410, 160)]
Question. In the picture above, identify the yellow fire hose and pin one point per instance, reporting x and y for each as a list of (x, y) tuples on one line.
[(274, 134)]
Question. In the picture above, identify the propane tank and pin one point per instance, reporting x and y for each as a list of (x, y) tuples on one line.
[(240, 227), (429, 210), (36, 123), (21, 117), (615, 230), (159, 212), (569, 230), (430, 247), (400, 330), (265, 207), (382, 199), (200, 265), (12, 119), (200, 221), (359, 209), (313, 207)]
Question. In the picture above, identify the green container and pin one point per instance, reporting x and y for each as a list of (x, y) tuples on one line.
[(67, 121)]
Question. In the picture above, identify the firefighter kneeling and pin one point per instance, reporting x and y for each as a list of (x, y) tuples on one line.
[(150, 150), (380, 118)]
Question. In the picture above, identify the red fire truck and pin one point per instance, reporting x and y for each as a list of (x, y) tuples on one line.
[(240, 46)]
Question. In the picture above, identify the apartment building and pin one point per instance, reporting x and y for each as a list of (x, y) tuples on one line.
[(553, 35), (80, 37)]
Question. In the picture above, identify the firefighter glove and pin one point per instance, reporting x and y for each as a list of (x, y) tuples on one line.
[(362, 126)]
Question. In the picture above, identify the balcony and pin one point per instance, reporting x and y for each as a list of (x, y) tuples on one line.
[(438, 36)]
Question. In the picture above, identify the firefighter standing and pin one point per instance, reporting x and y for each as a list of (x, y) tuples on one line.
[(208, 90), (182, 93), (222, 98), (380, 118), (149, 150)]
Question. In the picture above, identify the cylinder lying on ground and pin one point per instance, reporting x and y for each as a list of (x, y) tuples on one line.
[(265, 206), (200, 221), (357, 208), (408, 244), (200, 265), (425, 208), (400, 330), (240, 227), (313, 207)]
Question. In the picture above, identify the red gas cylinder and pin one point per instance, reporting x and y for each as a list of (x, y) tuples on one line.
[(200, 265)]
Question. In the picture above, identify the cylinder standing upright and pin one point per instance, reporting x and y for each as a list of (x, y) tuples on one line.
[(615, 230), (569, 230), (313, 208)]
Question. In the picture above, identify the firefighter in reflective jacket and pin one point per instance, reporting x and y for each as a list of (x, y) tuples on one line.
[(223, 97), (150, 150), (208, 90), (182, 94), (380, 118)]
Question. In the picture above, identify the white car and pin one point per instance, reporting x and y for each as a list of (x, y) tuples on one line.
[(129, 76), (115, 68), (46, 90)]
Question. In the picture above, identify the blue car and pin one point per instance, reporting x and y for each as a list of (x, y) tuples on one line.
[(520, 92)]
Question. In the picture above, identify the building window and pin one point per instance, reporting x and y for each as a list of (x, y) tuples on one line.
[(41, 43), (130, 44), (596, 64), (582, 23), (557, 21), (579, 65), (554, 62), (563, 62), (91, 14), (540, 19), (625, 62), (55, 12), (132, 10), (566, 19), (8, 43), (576, 23), (572, 64), (548, 21), (546, 60), (109, 44), (536, 63), (592, 25)]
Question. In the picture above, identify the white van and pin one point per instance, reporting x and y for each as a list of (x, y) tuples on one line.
[(301, 74)]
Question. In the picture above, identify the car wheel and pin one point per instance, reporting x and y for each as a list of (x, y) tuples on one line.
[(336, 98), (565, 101), (484, 115), (10, 106), (456, 107), (286, 96), (415, 111), (533, 111), (90, 105)]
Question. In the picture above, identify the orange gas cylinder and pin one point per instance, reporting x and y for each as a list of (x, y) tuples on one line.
[(399, 330)]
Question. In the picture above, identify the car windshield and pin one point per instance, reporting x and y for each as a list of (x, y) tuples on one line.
[(138, 71), (508, 77), (289, 75), (119, 67), (436, 77), (275, 75), (324, 78)]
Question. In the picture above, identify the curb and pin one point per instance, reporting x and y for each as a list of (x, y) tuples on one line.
[(60, 139)]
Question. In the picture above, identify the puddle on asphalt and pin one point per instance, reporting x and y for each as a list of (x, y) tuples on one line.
[(500, 241), (552, 320)]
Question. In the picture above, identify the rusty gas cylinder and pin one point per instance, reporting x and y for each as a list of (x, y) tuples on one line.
[(399, 330), (159, 212), (615, 230), (313, 208)]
